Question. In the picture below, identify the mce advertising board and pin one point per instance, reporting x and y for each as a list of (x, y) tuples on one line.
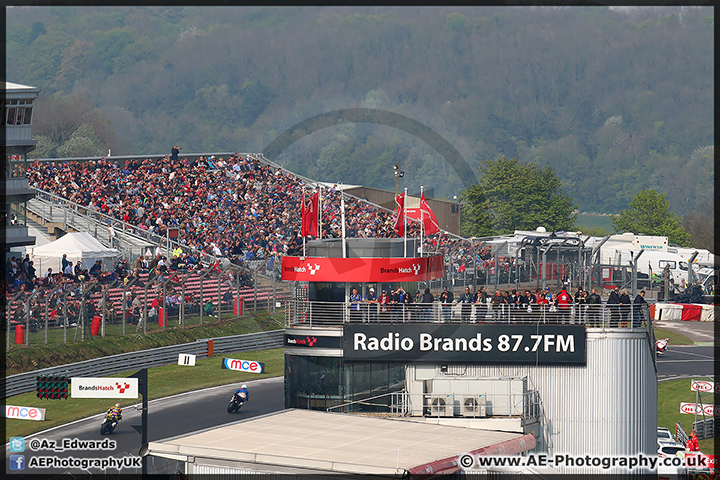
[(490, 344)]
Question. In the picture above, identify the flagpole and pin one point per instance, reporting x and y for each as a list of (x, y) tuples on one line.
[(421, 223), (405, 224), (302, 218), (342, 217), (319, 210)]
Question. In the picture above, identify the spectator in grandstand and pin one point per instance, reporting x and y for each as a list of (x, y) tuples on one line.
[(68, 271), (96, 269)]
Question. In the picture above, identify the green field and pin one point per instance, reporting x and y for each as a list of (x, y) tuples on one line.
[(593, 220), (670, 395)]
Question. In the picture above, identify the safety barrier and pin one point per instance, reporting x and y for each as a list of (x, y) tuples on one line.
[(156, 357), (304, 313)]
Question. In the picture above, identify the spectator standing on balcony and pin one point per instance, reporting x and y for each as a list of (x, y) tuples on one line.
[(384, 301), (174, 153), (564, 301), (593, 303), (481, 304), (447, 297), (355, 300), (498, 303), (372, 305), (581, 303), (639, 306), (625, 303), (466, 299), (427, 303), (613, 304)]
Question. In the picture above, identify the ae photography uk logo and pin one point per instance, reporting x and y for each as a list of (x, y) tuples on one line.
[(470, 462)]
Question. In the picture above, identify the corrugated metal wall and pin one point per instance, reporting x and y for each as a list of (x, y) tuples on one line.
[(606, 408)]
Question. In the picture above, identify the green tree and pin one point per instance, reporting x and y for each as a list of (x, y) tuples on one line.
[(649, 214), (513, 195), (82, 143)]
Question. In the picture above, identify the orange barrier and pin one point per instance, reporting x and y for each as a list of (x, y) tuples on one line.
[(19, 334), (95, 325)]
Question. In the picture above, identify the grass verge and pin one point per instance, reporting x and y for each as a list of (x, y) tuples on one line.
[(34, 357), (162, 382), (670, 395), (674, 338)]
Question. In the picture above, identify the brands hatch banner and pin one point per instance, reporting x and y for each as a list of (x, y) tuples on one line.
[(321, 269), (489, 344), (312, 341), (243, 365), (89, 387), (24, 413)]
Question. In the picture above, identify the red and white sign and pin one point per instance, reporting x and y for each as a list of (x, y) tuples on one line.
[(24, 413), (691, 408), (89, 387), (704, 386), (321, 269), (699, 461), (243, 365)]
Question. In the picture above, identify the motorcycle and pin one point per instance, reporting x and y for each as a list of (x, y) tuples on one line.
[(108, 425), (661, 345), (238, 400)]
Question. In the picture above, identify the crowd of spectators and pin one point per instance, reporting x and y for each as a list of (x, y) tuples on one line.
[(234, 207)]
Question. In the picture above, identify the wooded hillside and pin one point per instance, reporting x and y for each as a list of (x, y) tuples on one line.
[(617, 101)]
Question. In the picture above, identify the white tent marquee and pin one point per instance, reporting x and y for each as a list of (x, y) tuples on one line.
[(79, 246)]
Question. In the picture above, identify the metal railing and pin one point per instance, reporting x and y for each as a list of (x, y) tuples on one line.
[(524, 405), (303, 313), (25, 382)]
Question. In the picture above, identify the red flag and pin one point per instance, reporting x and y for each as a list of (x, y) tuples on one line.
[(430, 223), (304, 227), (313, 213), (399, 215), (309, 214)]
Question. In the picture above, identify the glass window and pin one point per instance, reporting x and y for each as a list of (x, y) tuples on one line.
[(10, 119), (683, 266), (663, 263)]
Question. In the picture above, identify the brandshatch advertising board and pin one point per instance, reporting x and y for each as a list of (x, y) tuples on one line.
[(489, 344)]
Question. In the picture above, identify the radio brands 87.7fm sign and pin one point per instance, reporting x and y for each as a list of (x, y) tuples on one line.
[(461, 343)]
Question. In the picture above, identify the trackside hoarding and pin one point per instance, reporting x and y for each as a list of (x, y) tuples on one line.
[(250, 366), (24, 413), (453, 343), (322, 269), (89, 387)]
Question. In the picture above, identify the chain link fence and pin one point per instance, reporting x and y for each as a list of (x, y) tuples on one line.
[(80, 310)]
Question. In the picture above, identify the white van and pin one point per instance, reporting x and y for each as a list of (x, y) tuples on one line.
[(649, 262)]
